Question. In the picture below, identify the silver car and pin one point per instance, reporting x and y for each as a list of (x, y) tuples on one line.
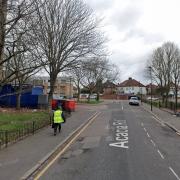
[(134, 101)]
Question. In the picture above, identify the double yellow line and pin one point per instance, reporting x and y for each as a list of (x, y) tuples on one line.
[(39, 174)]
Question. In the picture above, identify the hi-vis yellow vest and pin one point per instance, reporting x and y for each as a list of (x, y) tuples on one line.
[(58, 116)]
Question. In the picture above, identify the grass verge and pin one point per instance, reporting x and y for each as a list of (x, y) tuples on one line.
[(17, 120), (91, 102)]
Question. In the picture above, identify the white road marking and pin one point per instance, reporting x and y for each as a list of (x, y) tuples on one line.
[(142, 124), (153, 142), (148, 135), (121, 136), (178, 133), (160, 154), (145, 130), (171, 169), (158, 120), (122, 107), (65, 148)]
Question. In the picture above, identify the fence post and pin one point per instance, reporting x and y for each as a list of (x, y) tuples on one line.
[(33, 126), (19, 133), (6, 138)]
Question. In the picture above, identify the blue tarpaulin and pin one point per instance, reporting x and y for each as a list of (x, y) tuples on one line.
[(28, 99)]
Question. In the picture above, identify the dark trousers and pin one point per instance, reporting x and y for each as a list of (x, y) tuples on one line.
[(57, 125)]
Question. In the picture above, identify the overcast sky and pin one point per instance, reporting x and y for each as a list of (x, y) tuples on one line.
[(136, 27)]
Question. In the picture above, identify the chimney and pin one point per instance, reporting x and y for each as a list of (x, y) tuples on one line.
[(130, 78)]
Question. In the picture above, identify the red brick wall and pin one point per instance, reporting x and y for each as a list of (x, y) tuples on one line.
[(114, 96)]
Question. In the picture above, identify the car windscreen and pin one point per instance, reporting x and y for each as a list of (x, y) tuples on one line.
[(134, 98)]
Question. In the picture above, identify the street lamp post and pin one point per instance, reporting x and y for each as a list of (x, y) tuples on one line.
[(150, 68)]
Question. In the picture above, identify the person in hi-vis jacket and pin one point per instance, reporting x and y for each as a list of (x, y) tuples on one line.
[(58, 118)]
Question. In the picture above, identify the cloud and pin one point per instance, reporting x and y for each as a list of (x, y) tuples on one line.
[(130, 65), (100, 5), (126, 18), (134, 28), (148, 38)]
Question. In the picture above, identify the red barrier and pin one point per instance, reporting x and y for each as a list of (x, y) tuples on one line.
[(70, 105), (67, 105), (54, 104)]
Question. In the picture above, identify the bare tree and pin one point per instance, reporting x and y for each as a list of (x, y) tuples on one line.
[(77, 74), (113, 73), (15, 15), (157, 69), (22, 66), (20, 61), (176, 75), (162, 65), (95, 72), (65, 31)]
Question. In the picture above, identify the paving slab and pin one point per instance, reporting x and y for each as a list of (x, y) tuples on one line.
[(167, 117), (18, 158)]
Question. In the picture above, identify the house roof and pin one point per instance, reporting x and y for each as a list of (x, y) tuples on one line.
[(131, 83), (109, 84), (153, 86)]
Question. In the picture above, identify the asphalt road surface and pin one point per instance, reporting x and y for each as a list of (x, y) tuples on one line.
[(123, 143)]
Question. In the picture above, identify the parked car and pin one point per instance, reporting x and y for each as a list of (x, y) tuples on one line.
[(153, 98), (134, 101), (93, 96)]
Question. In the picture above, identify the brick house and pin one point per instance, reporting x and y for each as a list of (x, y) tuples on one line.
[(131, 86), (63, 86), (153, 86), (109, 88)]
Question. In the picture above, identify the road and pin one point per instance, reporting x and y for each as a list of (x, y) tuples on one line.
[(123, 143)]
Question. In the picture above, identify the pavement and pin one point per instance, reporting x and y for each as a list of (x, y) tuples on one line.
[(19, 158), (165, 116)]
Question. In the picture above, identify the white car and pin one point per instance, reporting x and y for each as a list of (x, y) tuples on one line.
[(134, 101), (153, 98)]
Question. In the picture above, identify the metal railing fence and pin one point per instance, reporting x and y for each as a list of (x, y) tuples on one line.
[(11, 136)]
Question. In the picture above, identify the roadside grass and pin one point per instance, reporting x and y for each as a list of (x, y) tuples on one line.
[(17, 120), (91, 102)]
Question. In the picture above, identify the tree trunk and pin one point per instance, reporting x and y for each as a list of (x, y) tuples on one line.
[(18, 98), (78, 97), (50, 96), (97, 99), (3, 13), (18, 101), (166, 100), (89, 96)]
